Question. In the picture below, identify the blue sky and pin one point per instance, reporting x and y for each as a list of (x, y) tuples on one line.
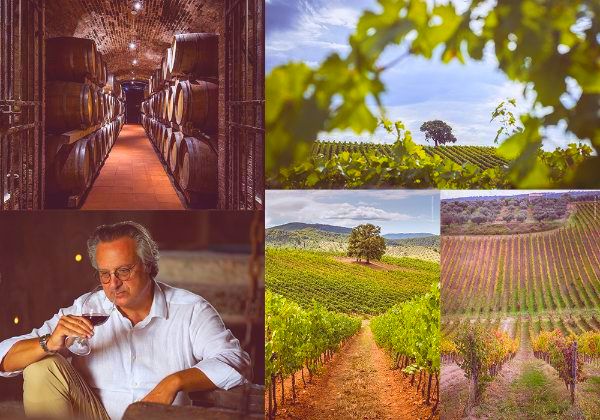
[(418, 90), (396, 211)]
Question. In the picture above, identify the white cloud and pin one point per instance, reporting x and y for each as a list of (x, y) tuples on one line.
[(313, 207)]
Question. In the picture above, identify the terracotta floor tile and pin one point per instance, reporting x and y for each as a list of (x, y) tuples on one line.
[(167, 198), (132, 177)]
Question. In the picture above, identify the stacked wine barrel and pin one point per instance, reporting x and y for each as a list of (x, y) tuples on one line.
[(81, 106), (180, 114)]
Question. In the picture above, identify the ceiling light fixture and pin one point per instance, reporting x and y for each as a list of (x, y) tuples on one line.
[(137, 5), (135, 62), (132, 46)]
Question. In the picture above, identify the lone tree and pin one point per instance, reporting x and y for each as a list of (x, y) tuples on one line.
[(366, 242), (438, 131)]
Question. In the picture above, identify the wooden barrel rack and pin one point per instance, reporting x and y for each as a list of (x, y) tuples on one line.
[(187, 150), (78, 142)]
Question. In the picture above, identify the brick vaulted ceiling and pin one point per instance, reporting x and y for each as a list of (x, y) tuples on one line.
[(113, 26)]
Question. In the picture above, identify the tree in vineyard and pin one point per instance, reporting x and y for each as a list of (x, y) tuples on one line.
[(438, 131), (366, 242)]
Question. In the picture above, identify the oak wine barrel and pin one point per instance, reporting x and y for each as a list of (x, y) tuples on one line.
[(198, 167), (158, 134), (107, 138), (165, 104), (154, 132), (194, 53), (69, 106), (157, 80), (173, 151), (74, 167), (100, 70), (167, 98), (196, 103), (166, 137), (96, 149), (110, 83), (164, 66), (117, 89), (101, 106), (169, 58), (70, 59), (171, 104)]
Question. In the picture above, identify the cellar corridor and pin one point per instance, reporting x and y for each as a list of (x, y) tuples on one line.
[(132, 177), (73, 73)]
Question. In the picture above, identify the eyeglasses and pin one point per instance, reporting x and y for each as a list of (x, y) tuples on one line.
[(122, 273)]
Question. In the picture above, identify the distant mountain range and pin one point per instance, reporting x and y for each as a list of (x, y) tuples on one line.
[(294, 226), (316, 226), (550, 194)]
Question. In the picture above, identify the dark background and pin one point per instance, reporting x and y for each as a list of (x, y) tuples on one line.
[(39, 273), (133, 102)]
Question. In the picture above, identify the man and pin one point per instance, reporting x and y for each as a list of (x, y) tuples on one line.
[(159, 343)]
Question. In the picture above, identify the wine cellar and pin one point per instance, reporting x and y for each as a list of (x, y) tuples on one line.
[(79, 77)]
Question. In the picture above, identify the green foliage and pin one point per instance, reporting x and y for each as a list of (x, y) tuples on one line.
[(344, 286), (366, 242), (412, 329), (484, 157), (483, 352), (408, 166), (559, 352), (295, 336), (507, 119), (438, 131), (528, 37)]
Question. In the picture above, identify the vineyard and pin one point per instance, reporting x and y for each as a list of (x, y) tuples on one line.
[(296, 338), (542, 290), (481, 156), (527, 274), (304, 276), (410, 332)]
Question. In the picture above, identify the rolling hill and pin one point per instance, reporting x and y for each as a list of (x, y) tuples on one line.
[(343, 285), (332, 239)]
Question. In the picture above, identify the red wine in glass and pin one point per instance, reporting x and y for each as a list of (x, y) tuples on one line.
[(96, 319), (94, 311)]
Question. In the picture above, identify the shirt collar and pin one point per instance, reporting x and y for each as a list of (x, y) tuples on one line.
[(159, 303), (159, 306)]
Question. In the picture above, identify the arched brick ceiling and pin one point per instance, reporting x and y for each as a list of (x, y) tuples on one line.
[(112, 25)]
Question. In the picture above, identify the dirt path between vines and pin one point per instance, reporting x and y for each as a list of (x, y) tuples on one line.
[(358, 384)]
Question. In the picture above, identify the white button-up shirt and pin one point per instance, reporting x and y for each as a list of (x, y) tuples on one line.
[(181, 331)]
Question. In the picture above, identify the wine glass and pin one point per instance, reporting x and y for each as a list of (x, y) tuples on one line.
[(94, 311)]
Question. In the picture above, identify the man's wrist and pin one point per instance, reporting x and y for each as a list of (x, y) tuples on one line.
[(174, 382), (46, 345)]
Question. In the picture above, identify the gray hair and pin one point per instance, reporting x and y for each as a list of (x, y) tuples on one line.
[(146, 248)]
